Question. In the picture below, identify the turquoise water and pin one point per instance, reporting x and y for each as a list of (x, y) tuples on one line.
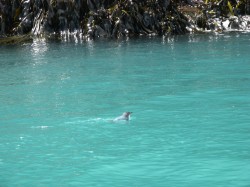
[(190, 98)]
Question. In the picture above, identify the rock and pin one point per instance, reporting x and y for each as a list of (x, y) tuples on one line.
[(99, 32), (128, 23), (147, 19), (37, 25), (2, 26), (165, 4), (92, 5), (245, 22), (107, 27), (225, 24), (113, 18), (211, 25), (25, 25)]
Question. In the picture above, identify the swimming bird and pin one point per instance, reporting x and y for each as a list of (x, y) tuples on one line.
[(125, 116)]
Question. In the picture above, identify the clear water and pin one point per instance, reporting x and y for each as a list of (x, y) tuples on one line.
[(190, 98)]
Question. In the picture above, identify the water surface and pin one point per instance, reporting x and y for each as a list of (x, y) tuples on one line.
[(190, 101)]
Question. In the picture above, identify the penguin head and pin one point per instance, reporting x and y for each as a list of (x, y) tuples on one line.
[(127, 114)]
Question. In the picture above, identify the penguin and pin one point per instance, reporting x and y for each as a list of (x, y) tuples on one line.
[(125, 116)]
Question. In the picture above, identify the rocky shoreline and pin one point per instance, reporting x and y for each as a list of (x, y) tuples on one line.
[(86, 19)]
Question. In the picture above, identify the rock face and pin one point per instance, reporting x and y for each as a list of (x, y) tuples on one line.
[(218, 16), (114, 18), (92, 18)]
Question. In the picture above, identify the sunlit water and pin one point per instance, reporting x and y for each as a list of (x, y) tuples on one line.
[(190, 98)]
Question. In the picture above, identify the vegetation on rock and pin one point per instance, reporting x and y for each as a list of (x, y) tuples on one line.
[(114, 18)]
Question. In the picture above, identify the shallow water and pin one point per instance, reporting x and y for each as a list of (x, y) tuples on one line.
[(190, 98)]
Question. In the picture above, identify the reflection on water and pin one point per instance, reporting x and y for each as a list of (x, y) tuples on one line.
[(39, 48)]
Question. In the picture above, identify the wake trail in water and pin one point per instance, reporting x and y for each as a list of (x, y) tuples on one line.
[(89, 121)]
